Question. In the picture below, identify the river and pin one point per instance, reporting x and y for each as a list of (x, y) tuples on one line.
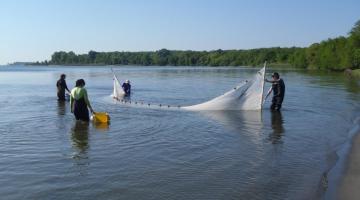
[(168, 154)]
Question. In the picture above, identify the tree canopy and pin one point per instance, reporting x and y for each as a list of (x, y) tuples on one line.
[(335, 54), (177, 58)]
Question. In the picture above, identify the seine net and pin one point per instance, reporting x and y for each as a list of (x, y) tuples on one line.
[(118, 91), (248, 95)]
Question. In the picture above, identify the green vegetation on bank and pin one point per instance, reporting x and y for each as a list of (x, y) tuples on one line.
[(178, 58), (355, 73), (333, 54)]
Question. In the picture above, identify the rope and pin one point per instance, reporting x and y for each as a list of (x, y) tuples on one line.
[(142, 103)]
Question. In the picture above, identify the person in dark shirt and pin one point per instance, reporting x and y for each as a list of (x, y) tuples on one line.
[(278, 89), (126, 87), (61, 87)]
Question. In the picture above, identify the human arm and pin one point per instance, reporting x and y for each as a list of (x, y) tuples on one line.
[(71, 103), (269, 81), (65, 86), (86, 98)]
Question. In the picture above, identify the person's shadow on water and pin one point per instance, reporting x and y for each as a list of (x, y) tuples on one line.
[(277, 127)]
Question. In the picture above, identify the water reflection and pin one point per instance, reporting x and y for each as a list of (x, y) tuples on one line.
[(104, 127), (248, 123), (352, 85), (80, 139), (277, 127), (61, 108)]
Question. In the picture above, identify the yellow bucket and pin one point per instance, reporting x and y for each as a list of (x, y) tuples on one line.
[(101, 117)]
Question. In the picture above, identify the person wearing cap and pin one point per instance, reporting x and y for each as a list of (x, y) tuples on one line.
[(278, 89), (61, 87), (126, 87)]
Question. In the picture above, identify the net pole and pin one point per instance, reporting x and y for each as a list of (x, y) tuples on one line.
[(263, 86)]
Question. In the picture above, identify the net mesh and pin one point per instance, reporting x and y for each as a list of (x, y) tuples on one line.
[(248, 95), (118, 91)]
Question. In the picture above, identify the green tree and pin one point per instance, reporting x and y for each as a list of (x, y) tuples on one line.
[(92, 56), (355, 34)]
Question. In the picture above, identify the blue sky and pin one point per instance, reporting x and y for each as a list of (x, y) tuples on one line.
[(32, 30)]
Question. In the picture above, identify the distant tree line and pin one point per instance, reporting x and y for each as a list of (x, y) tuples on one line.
[(177, 58), (335, 54)]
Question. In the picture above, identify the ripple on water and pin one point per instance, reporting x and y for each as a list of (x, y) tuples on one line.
[(160, 154)]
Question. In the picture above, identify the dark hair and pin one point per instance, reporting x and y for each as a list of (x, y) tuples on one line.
[(79, 83), (62, 76), (276, 75)]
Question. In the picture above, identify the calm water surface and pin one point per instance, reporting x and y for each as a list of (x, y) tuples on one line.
[(169, 154)]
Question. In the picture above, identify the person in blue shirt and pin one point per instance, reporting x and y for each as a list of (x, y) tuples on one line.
[(126, 87)]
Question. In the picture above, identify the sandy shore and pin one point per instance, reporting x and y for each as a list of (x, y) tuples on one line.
[(350, 185)]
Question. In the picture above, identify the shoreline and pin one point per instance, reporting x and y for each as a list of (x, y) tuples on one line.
[(344, 176), (271, 66), (120, 65), (351, 73), (349, 184), (348, 72)]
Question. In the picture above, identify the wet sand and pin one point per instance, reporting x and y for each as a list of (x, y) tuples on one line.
[(350, 185)]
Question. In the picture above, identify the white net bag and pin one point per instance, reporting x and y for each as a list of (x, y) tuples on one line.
[(246, 96)]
